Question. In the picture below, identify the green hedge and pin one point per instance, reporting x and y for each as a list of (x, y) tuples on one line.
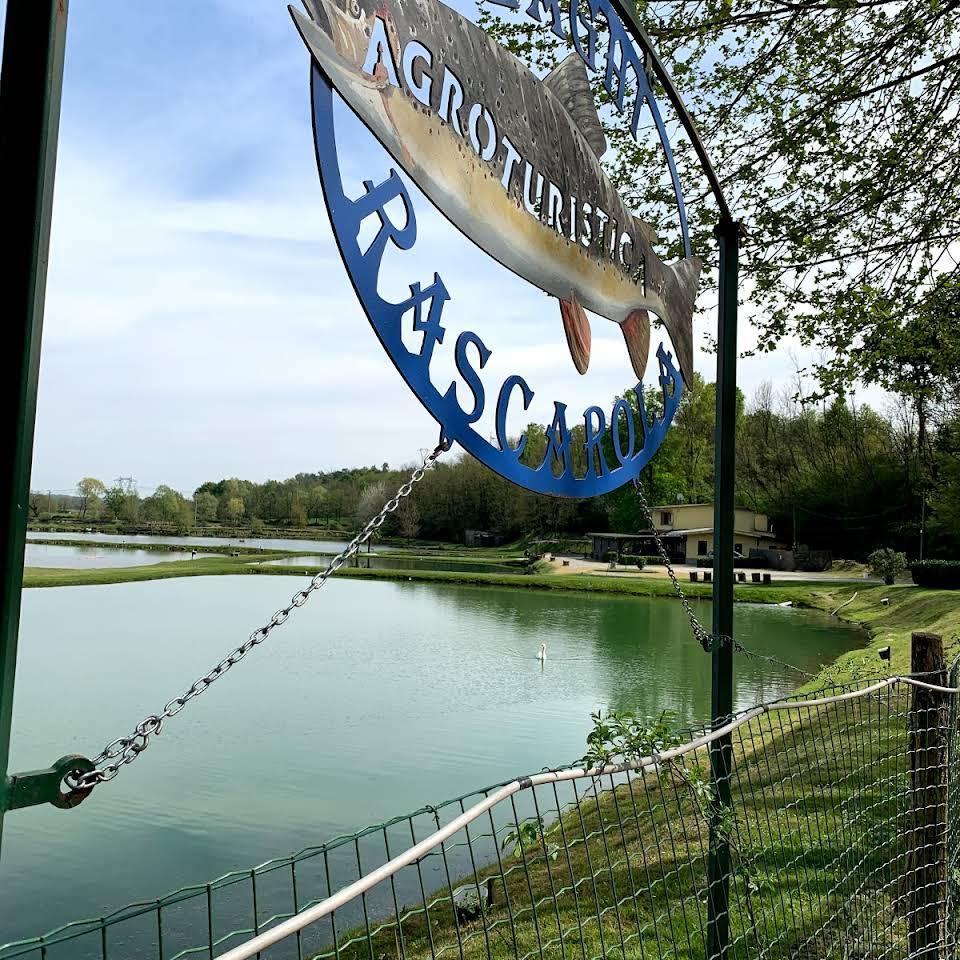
[(942, 574), (633, 560)]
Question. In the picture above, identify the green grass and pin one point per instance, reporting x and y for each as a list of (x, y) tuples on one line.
[(816, 845), (806, 813), (163, 547), (570, 583), (818, 833), (201, 567)]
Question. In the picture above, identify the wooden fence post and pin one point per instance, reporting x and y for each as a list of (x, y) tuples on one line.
[(926, 880)]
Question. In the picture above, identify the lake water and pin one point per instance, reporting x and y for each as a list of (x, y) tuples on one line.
[(372, 700), (401, 563), (55, 555), (323, 546)]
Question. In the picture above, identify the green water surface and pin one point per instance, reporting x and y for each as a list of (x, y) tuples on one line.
[(373, 699)]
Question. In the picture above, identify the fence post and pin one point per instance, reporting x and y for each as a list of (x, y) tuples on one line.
[(721, 707), (926, 879), (30, 82)]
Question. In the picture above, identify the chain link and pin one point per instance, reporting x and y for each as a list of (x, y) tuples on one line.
[(125, 750), (703, 638)]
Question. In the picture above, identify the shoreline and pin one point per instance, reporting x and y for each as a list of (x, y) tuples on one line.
[(910, 608)]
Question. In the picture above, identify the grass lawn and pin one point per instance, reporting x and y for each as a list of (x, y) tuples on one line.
[(821, 806), (819, 801)]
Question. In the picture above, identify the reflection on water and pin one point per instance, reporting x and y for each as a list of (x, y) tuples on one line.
[(326, 546), (374, 698), (54, 555), (372, 561)]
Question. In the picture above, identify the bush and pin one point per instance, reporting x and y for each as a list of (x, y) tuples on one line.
[(656, 561), (739, 563), (632, 560), (611, 556), (941, 574), (887, 563)]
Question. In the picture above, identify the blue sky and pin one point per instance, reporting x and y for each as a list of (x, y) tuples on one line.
[(199, 323)]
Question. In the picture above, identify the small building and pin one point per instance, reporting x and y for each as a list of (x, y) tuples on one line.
[(686, 530), (482, 538)]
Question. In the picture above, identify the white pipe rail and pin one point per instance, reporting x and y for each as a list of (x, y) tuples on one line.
[(342, 897)]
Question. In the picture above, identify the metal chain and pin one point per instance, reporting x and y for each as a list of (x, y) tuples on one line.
[(703, 638), (125, 750)]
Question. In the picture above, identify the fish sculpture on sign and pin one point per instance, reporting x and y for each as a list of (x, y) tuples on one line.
[(513, 161)]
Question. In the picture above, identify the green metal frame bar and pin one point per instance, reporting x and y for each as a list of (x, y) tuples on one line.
[(718, 861), (31, 79)]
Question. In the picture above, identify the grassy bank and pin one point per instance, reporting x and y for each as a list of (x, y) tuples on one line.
[(816, 823), (242, 565), (606, 850), (217, 548), (910, 608), (201, 567)]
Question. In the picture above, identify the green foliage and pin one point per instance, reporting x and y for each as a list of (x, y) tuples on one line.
[(529, 837), (611, 556), (887, 563), (91, 492), (833, 126), (620, 736), (633, 560), (940, 574), (837, 477)]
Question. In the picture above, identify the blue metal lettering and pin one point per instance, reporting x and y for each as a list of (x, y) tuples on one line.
[(622, 406), (558, 441), (430, 328), (588, 56), (503, 402), (470, 376), (553, 8), (373, 203), (594, 437)]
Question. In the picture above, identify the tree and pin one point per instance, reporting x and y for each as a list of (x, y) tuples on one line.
[(165, 505), (833, 126), (233, 509), (408, 517), (887, 563), (206, 506), (122, 503), (914, 354), (90, 490), (230, 496)]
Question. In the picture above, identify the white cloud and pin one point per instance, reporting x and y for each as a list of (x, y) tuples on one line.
[(199, 322)]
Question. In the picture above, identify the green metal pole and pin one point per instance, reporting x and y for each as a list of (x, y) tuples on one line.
[(718, 862), (30, 82)]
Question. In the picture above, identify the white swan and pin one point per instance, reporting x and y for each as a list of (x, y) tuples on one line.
[(542, 653)]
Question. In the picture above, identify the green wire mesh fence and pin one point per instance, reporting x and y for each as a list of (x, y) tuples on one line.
[(841, 830)]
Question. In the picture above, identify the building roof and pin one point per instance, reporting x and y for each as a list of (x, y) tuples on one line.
[(676, 534), (623, 536)]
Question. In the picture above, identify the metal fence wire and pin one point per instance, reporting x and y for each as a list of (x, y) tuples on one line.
[(843, 832)]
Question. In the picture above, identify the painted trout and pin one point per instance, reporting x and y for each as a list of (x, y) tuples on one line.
[(511, 160)]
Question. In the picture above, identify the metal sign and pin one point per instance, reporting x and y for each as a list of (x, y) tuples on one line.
[(513, 161)]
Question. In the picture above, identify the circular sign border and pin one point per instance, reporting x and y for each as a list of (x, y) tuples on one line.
[(456, 426)]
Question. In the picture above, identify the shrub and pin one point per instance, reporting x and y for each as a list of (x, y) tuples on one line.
[(887, 563), (611, 556), (654, 561), (632, 560), (941, 574)]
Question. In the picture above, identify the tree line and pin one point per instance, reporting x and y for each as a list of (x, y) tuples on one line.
[(832, 475)]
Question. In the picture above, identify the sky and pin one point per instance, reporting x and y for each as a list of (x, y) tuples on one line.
[(199, 323)]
